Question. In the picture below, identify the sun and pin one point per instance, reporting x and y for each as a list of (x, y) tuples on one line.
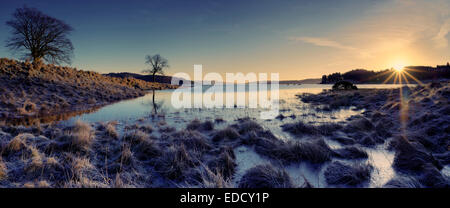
[(399, 66)]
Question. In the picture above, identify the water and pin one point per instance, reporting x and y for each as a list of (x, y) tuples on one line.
[(142, 109), (130, 110)]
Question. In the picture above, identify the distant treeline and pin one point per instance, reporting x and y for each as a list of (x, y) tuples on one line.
[(363, 76), (148, 78)]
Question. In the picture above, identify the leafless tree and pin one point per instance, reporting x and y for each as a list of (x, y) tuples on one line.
[(38, 36), (157, 65)]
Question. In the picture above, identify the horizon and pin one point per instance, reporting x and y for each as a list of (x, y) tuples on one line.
[(215, 94), (298, 39)]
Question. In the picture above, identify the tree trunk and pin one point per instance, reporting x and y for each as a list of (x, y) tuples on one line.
[(154, 78), (37, 59)]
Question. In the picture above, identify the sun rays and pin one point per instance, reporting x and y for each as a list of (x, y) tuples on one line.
[(401, 76)]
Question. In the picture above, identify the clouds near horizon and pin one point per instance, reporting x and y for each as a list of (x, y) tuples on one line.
[(410, 31), (297, 38)]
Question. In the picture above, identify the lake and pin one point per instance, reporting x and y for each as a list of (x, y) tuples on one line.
[(130, 110), (292, 109)]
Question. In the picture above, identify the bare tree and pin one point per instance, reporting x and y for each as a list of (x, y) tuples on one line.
[(157, 65), (38, 36)]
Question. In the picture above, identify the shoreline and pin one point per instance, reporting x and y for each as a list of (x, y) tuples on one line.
[(32, 90), (241, 153)]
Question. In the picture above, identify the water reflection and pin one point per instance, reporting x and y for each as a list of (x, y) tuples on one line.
[(46, 119), (158, 104)]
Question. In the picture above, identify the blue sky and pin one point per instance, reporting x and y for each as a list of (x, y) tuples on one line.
[(298, 39)]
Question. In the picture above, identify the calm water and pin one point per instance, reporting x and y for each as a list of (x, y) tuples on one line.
[(131, 110), (293, 109)]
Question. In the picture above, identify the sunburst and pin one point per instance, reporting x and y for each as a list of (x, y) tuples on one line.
[(402, 77)]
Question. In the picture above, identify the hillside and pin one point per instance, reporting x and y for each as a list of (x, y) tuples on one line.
[(34, 89), (148, 78), (363, 76), (303, 81)]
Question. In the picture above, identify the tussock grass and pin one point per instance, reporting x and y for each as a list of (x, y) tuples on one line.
[(52, 162), (194, 125), (213, 179), (110, 129), (208, 125), (342, 174), (174, 162), (192, 140), (166, 129), (35, 164), (328, 129), (16, 144), (343, 140), (315, 152), (228, 134), (3, 170), (359, 123), (126, 156), (248, 125), (265, 176), (403, 182), (36, 161), (411, 157), (118, 182), (82, 136), (299, 128), (80, 166), (135, 137), (224, 164), (198, 125), (350, 153), (145, 148), (43, 184), (147, 128)]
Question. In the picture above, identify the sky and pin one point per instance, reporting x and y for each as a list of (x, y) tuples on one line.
[(298, 39)]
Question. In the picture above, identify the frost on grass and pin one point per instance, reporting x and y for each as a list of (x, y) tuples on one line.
[(265, 176), (45, 89), (315, 152), (202, 155), (343, 174)]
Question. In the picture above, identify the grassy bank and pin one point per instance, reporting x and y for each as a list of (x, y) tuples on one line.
[(36, 89)]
